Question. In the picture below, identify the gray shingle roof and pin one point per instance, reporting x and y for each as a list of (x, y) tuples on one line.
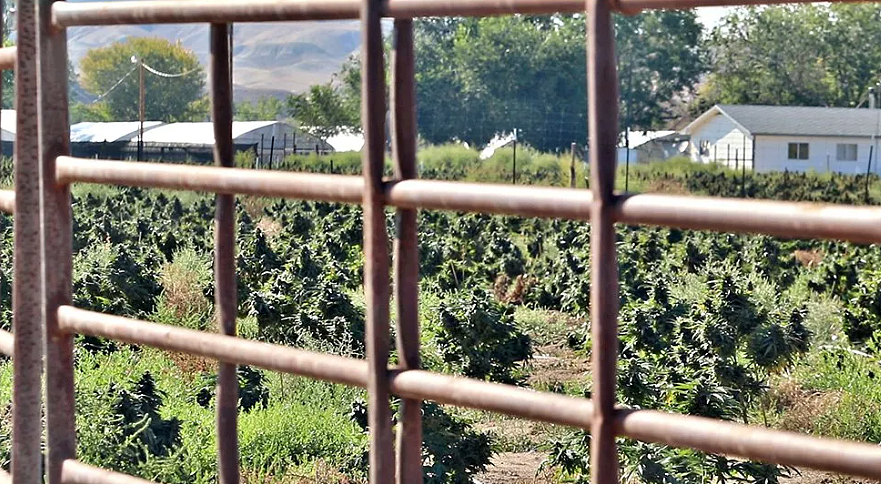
[(805, 121)]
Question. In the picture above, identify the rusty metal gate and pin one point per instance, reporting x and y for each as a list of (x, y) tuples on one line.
[(45, 321)]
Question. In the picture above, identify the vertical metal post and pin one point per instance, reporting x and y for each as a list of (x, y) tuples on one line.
[(602, 87), (142, 100), (224, 255), (572, 167), (271, 150), (26, 280), (56, 246), (403, 103), (514, 171), (868, 172), (376, 257)]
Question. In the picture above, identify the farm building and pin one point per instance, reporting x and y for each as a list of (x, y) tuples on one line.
[(7, 125), (646, 146), (777, 138), (279, 136), (90, 132)]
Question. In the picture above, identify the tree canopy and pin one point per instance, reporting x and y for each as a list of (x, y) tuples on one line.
[(267, 108), (478, 77), (805, 55), (323, 111), (167, 98)]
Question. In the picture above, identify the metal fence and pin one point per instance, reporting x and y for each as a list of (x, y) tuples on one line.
[(45, 321)]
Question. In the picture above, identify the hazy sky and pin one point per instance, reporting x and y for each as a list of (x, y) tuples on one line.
[(710, 16)]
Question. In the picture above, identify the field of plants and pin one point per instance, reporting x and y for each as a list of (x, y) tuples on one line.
[(783, 333)]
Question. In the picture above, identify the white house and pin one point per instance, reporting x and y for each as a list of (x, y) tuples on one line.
[(777, 138)]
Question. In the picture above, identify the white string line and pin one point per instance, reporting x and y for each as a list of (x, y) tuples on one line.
[(167, 75), (102, 96)]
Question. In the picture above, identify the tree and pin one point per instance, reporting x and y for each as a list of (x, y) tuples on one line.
[(806, 55), (167, 98), (264, 109), (323, 111), (476, 78)]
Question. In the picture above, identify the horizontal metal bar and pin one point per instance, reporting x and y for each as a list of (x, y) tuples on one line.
[(75, 472), (527, 201), (5, 477), (785, 219), (715, 436), (334, 188), (7, 58), (69, 14), (771, 217), (504, 399), (7, 201), (7, 343), (228, 349), (652, 426)]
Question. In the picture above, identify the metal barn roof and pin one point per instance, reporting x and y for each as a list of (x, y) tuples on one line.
[(796, 120), (200, 133), (113, 131)]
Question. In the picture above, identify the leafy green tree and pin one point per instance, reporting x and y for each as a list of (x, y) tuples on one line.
[(476, 78), (807, 55), (266, 108), (167, 98), (323, 111)]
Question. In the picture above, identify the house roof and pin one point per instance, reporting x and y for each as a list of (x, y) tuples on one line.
[(796, 120), (112, 131)]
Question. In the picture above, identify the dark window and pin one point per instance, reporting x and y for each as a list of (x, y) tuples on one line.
[(798, 151)]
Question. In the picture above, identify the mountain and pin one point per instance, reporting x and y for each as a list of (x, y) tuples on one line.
[(269, 58)]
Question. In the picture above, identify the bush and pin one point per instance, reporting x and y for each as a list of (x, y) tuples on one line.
[(476, 336)]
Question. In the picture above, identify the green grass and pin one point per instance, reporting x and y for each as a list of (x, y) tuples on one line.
[(831, 393)]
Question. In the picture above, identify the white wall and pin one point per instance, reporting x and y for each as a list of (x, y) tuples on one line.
[(772, 154), (724, 137)]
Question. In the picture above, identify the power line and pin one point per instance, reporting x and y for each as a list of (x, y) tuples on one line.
[(102, 96), (167, 75)]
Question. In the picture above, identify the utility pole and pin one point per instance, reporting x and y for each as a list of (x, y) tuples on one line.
[(141, 107), (514, 173)]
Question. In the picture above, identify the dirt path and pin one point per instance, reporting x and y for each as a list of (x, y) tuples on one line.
[(516, 468)]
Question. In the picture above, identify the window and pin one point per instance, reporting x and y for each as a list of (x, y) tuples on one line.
[(798, 151), (704, 147), (847, 152)]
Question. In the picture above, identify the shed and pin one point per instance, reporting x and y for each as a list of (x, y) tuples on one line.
[(7, 125)]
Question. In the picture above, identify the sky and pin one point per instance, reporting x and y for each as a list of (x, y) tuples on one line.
[(711, 16)]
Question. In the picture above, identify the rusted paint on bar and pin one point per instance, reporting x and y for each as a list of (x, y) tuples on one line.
[(786, 219), (206, 11), (495, 397), (602, 86), (406, 250), (75, 472), (330, 188), (7, 201), (527, 201), (57, 246), (7, 343), (224, 348), (7, 57), (225, 297), (27, 285), (376, 250), (750, 442)]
